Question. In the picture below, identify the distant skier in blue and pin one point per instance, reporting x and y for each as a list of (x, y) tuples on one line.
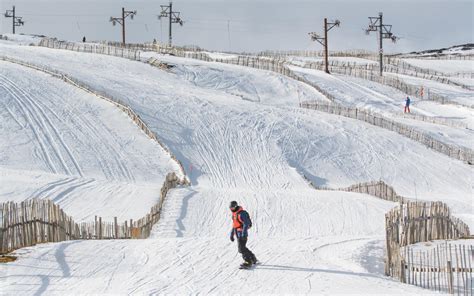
[(240, 225), (407, 105)]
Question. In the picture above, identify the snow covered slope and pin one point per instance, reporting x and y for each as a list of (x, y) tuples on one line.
[(453, 93), (309, 241), (445, 66), (218, 136), (188, 266), (354, 92), (259, 86), (21, 39), (86, 148)]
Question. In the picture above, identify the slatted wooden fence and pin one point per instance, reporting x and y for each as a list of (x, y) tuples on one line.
[(395, 66), (460, 153), (318, 53), (444, 267), (409, 89), (415, 222), (378, 189), (41, 220), (127, 53)]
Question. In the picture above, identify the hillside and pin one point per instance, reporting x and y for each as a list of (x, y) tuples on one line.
[(240, 135)]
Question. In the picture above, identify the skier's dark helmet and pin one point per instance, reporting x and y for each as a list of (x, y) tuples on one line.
[(233, 205)]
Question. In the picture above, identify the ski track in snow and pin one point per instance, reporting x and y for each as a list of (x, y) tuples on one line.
[(52, 127), (40, 126), (253, 149), (210, 267)]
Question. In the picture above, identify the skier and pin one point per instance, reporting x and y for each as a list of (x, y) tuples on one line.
[(241, 223), (84, 39), (407, 105)]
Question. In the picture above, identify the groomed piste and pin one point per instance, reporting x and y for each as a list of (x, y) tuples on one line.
[(240, 135)]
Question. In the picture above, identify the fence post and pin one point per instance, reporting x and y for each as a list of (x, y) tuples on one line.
[(100, 227), (116, 228), (402, 271), (450, 278), (95, 226)]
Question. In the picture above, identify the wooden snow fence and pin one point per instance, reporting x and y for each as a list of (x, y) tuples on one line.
[(128, 53), (368, 72), (375, 188), (415, 222), (378, 189), (460, 153), (445, 267), (318, 53), (37, 221)]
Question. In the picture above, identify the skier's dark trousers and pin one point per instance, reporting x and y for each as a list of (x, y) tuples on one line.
[(240, 224)]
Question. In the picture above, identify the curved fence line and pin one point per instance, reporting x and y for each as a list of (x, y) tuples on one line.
[(280, 66), (400, 67), (401, 63), (358, 53), (130, 54), (415, 222), (409, 89), (392, 66), (378, 189), (412, 222), (118, 103), (435, 120), (37, 221), (460, 153)]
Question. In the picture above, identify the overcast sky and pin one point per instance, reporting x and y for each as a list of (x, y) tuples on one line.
[(253, 25)]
